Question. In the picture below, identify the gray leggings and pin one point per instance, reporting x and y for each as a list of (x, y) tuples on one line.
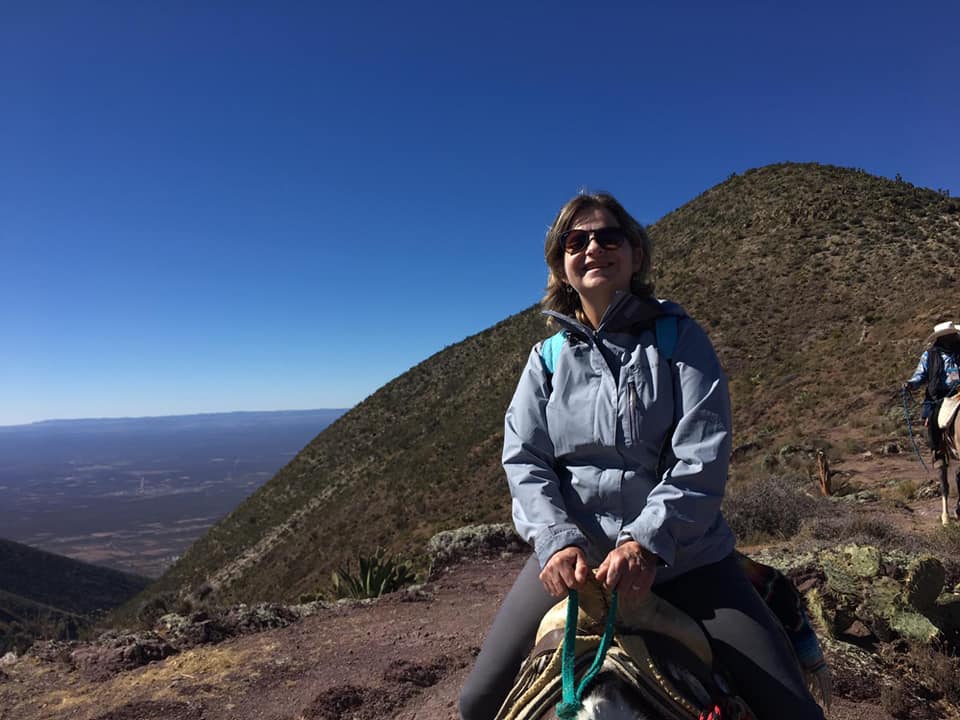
[(748, 641)]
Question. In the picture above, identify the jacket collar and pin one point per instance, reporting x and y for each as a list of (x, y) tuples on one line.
[(626, 313)]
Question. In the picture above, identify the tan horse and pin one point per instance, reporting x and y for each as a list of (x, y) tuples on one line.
[(657, 668), (947, 420)]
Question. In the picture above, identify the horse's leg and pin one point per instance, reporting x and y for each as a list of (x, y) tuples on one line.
[(941, 464), (955, 437), (956, 478)]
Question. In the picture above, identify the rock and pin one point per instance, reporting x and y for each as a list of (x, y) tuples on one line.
[(877, 607), (53, 651), (115, 651), (244, 619), (886, 613), (946, 612), (891, 448), (188, 632), (847, 567), (861, 632), (914, 626), (447, 548), (923, 583), (9, 659), (835, 614), (861, 497), (313, 607)]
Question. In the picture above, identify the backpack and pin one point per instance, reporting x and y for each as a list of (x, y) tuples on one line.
[(665, 331)]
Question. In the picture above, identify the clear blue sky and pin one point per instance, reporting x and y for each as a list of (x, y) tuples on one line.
[(269, 205)]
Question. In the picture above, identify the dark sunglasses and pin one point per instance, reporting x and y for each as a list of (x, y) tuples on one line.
[(576, 241)]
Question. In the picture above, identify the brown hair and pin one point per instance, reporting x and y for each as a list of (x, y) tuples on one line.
[(560, 296)]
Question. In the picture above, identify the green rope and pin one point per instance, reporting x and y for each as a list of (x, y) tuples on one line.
[(569, 706)]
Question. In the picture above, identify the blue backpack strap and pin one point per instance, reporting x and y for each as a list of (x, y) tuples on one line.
[(550, 350), (666, 334), (666, 330)]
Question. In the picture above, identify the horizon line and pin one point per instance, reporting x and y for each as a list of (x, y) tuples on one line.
[(4, 426)]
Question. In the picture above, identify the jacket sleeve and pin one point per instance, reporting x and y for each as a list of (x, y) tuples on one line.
[(685, 504), (539, 511), (920, 374)]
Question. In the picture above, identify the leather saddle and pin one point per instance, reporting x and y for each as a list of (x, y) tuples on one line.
[(948, 411), (660, 657)]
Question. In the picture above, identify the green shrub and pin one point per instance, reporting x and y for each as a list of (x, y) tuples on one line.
[(156, 607), (378, 574), (853, 446)]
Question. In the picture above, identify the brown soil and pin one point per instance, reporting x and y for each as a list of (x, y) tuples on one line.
[(403, 657)]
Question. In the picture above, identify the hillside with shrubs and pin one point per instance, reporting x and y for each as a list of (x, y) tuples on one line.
[(816, 283)]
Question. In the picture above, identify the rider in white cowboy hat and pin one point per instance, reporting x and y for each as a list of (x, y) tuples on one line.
[(939, 370)]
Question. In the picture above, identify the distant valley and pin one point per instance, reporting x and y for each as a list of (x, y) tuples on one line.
[(134, 493)]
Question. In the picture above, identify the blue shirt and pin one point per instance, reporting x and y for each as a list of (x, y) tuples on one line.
[(951, 373)]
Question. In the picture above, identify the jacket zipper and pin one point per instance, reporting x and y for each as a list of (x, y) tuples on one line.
[(632, 410)]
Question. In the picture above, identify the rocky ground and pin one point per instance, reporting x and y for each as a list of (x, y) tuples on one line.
[(405, 655)]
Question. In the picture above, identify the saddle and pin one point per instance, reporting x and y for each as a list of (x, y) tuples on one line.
[(948, 410), (659, 655)]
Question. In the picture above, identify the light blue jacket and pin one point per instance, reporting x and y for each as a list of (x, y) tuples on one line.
[(582, 446)]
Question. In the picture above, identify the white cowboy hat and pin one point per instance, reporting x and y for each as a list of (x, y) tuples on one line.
[(941, 329)]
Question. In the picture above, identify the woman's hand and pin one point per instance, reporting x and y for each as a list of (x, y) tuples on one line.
[(629, 568), (566, 569)]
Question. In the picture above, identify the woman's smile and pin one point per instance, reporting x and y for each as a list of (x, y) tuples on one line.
[(596, 272)]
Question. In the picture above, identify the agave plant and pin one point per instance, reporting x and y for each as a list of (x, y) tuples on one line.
[(379, 574)]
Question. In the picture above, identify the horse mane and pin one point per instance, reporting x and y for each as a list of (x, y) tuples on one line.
[(608, 701)]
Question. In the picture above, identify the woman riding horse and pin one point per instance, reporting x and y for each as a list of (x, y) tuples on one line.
[(938, 370), (616, 451)]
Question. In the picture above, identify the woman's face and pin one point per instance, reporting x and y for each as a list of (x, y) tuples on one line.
[(597, 273), (951, 343)]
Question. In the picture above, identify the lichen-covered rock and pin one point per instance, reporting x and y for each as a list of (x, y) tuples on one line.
[(189, 631), (115, 651), (783, 558), (878, 605), (449, 547), (924, 583), (913, 626), (52, 651), (243, 619), (946, 612), (833, 613), (856, 674), (860, 497), (848, 567), (885, 611)]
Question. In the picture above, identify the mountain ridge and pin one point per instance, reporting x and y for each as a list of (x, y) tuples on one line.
[(47, 595)]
